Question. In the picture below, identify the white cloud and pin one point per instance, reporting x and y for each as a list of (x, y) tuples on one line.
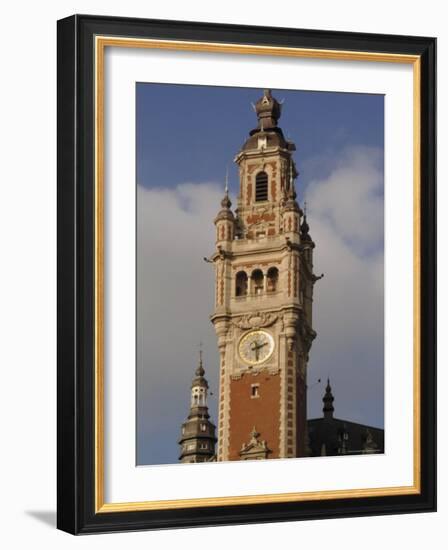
[(350, 199), (175, 299), (346, 219)]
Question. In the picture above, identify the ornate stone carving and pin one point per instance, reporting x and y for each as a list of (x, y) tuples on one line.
[(255, 449), (370, 446), (255, 320)]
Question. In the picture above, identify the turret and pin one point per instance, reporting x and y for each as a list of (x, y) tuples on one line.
[(225, 220), (198, 432), (263, 290), (291, 210)]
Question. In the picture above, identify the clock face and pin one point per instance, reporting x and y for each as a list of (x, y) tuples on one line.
[(256, 347)]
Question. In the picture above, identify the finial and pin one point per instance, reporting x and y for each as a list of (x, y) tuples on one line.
[(200, 370), (226, 202), (268, 111), (305, 228), (254, 434)]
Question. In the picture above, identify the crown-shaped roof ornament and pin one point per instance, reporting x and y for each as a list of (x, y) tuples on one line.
[(268, 111)]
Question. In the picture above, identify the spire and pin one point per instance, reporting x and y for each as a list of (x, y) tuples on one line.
[(225, 212), (226, 202), (291, 203), (199, 379), (200, 370), (305, 228), (328, 401)]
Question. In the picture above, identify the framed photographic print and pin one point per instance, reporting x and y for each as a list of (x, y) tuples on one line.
[(246, 274)]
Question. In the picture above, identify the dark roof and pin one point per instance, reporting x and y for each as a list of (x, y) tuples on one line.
[(343, 437), (274, 138)]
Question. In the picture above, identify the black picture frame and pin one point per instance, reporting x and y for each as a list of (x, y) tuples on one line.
[(76, 286)]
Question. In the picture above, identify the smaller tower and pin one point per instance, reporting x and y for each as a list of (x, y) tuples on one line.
[(198, 432), (328, 399), (330, 436)]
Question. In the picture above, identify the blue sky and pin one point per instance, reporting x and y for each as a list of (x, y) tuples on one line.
[(191, 133), (186, 137)]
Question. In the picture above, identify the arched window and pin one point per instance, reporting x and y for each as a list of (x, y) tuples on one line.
[(261, 187), (257, 281), (272, 279), (241, 284)]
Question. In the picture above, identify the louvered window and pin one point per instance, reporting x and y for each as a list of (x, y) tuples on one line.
[(261, 187)]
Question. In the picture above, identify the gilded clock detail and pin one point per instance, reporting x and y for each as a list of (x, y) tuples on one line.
[(256, 347)]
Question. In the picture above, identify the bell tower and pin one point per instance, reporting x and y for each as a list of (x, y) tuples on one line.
[(263, 300)]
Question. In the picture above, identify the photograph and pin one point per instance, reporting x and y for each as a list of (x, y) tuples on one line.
[(246, 274), (259, 273), (220, 275)]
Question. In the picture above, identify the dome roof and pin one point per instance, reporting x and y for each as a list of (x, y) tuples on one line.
[(268, 111), (199, 379)]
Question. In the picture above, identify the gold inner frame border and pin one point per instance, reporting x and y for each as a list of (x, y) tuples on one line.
[(100, 44)]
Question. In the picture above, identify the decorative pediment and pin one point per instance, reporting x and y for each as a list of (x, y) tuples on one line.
[(255, 320), (370, 446), (255, 449)]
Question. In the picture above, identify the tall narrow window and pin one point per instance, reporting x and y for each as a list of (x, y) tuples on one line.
[(241, 284), (272, 279), (261, 187), (257, 281)]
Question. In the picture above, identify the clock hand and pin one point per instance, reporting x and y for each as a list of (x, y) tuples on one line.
[(256, 346), (253, 346), (259, 345)]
